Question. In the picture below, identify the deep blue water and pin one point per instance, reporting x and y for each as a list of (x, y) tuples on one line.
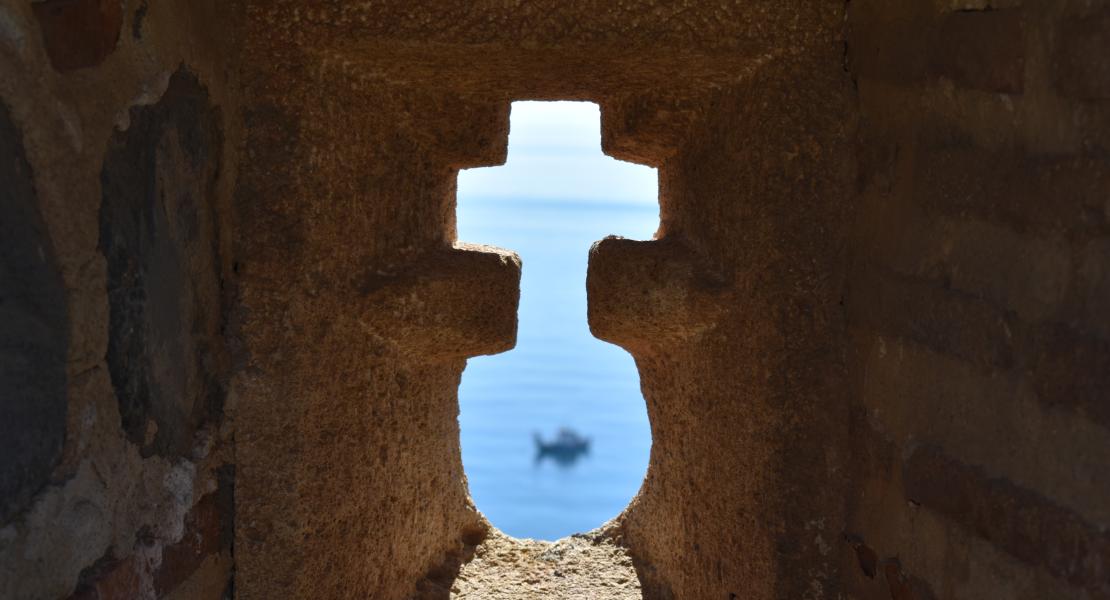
[(558, 375)]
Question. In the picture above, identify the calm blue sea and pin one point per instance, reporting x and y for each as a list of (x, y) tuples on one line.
[(558, 375)]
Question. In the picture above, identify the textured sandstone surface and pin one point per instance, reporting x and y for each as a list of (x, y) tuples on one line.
[(708, 93), (871, 331), (587, 565)]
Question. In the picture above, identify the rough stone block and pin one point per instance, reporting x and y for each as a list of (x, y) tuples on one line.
[(113, 580), (1042, 195), (34, 334), (79, 33), (903, 586), (982, 50), (642, 131), (1017, 520), (479, 136), (1083, 57), (965, 5), (207, 532), (1027, 274), (456, 303), (889, 42), (158, 572), (947, 321), (1073, 371), (1094, 285), (992, 420), (645, 295)]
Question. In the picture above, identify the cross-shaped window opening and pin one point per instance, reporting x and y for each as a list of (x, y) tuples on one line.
[(555, 196)]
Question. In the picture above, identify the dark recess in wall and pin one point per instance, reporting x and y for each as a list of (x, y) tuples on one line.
[(34, 334), (158, 232)]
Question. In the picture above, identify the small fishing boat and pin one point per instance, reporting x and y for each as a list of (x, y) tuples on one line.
[(567, 442)]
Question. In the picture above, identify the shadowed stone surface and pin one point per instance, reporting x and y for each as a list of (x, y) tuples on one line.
[(91, 498), (33, 334), (158, 233)]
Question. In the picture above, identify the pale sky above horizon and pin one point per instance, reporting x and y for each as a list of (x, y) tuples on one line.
[(555, 153)]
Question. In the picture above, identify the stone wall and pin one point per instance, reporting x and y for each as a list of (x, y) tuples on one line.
[(118, 138), (361, 115), (870, 331), (977, 300)]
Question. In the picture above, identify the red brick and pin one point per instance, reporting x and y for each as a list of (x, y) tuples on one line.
[(899, 585), (982, 50), (206, 533), (1083, 57), (203, 537), (903, 586), (79, 33)]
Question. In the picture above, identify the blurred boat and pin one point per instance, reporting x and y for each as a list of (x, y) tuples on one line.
[(567, 442)]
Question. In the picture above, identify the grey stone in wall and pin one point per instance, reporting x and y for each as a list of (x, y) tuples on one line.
[(159, 234), (33, 334)]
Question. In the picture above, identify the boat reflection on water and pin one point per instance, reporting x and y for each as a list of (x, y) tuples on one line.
[(564, 450)]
